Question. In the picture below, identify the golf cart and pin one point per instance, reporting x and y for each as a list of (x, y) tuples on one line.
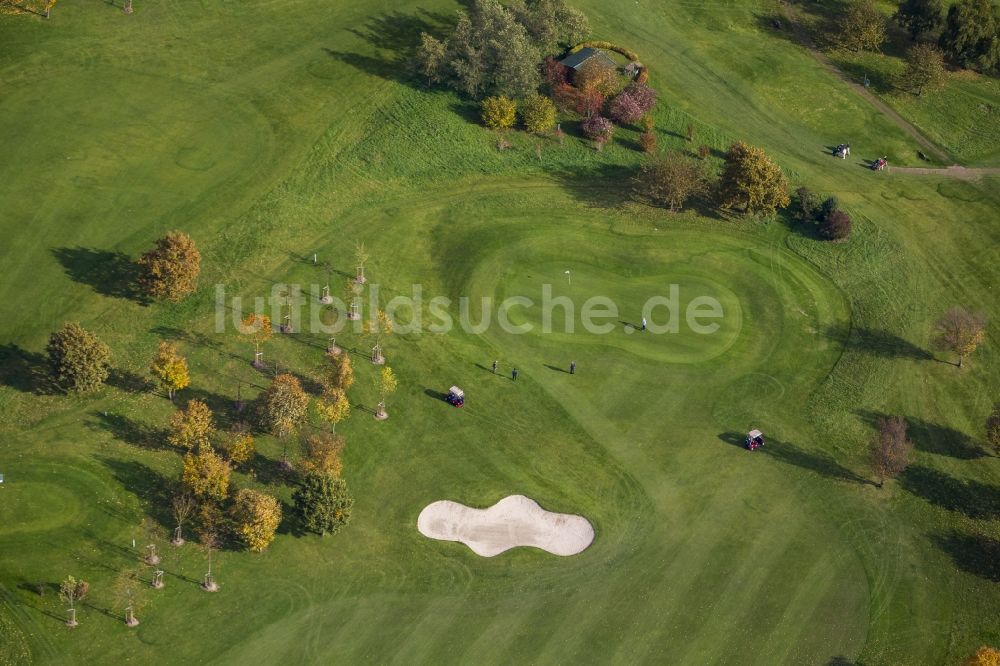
[(455, 397), (754, 440)]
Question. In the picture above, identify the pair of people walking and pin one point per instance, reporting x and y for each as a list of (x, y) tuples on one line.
[(513, 371)]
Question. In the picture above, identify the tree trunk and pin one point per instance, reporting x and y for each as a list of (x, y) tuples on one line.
[(960, 359)]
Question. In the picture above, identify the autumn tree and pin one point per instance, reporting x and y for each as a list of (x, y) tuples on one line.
[(671, 179), (170, 369), (836, 226), (334, 406), (598, 128), (210, 526), (984, 656), (339, 374), (323, 454), (430, 58), (499, 112), (182, 506), (170, 270), (890, 448), (256, 328), (283, 406), (192, 427), (960, 332), (919, 17), (751, 182), (624, 110), (72, 591), (256, 516), (971, 34), (596, 75), (587, 103), (862, 26), (386, 386), (538, 114), (78, 361), (206, 475), (239, 445), (924, 69), (643, 96), (323, 502), (554, 74)]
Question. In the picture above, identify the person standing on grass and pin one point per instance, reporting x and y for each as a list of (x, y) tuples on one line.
[(494, 367), (644, 323), (572, 367), (513, 375)]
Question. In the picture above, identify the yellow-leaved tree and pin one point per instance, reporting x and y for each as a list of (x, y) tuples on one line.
[(256, 328), (170, 369), (170, 270), (984, 656), (257, 516), (192, 427), (387, 385), (333, 407), (751, 182), (206, 475), (239, 445), (323, 451)]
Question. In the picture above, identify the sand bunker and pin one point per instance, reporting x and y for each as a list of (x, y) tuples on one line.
[(513, 521)]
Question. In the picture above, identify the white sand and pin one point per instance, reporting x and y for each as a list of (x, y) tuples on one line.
[(513, 521)]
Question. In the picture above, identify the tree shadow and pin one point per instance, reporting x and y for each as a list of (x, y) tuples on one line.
[(24, 370), (788, 453), (190, 337), (399, 34), (603, 186), (38, 588), (877, 343), (130, 431), (152, 488), (128, 381), (933, 437), (269, 471), (106, 272), (971, 498), (973, 553), (556, 368)]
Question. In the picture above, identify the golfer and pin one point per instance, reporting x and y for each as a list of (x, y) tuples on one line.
[(494, 367), (644, 323), (513, 375), (572, 367)]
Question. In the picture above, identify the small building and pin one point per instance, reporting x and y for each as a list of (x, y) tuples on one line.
[(575, 60)]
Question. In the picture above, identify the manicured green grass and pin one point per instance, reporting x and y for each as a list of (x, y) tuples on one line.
[(271, 131)]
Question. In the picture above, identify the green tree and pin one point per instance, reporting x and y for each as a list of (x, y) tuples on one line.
[(538, 113), (751, 182), (72, 591), (862, 26), (430, 58), (971, 35), (552, 25), (78, 361), (924, 69), (170, 270), (671, 179), (323, 502), (490, 53), (919, 16), (499, 112)]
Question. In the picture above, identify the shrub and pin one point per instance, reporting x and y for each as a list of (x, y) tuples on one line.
[(671, 179), (704, 151), (806, 207), (323, 502), (499, 112), (624, 110), (836, 226), (538, 114), (78, 361), (643, 95), (598, 128)]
